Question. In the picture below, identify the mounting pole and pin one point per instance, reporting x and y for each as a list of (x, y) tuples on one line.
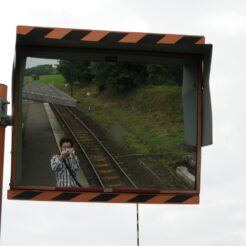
[(3, 96), (137, 226), (5, 120)]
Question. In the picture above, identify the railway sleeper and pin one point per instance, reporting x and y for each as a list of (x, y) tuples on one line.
[(107, 171)]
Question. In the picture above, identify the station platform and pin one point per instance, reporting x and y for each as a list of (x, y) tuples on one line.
[(41, 135), (38, 146)]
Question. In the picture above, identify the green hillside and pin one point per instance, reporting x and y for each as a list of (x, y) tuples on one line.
[(148, 120)]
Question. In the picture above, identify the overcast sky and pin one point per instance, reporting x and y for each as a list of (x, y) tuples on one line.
[(33, 62), (220, 219)]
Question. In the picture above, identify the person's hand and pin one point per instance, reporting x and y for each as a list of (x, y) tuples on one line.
[(72, 152), (64, 154)]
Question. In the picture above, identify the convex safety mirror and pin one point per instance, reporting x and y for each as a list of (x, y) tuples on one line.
[(109, 116)]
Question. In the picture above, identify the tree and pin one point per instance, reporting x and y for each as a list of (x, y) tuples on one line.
[(75, 70), (40, 70), (164, 74), (83, 70), (120, 76), (68, 71)]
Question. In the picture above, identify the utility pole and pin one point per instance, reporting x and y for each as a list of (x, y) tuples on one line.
[(137, 226)]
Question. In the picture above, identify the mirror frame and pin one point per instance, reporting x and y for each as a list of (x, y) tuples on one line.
[(50, 41)]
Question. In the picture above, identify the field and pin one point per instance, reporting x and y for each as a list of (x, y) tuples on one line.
[(51, 79)]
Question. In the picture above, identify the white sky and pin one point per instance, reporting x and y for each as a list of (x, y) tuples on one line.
[(33, 62), (220, 219)]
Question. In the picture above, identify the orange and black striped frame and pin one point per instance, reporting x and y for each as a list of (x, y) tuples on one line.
[(60, 39), (99, 36)]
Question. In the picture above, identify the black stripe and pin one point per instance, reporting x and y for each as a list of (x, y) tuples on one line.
[(151, 39), (26, 195), (113, 37), (37, 33), (189, 40), (179, 199), (103, 197), (141, 198), (65, 196), (75, 35)]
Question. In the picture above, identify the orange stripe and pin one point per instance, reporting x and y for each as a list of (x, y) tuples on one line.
[(13, 193), (132, 37), (123, 198), (95, 36), (24, 30), (85, 197), (201, 41), (170, 39), (58, 33), (159, 199), (192, 200)]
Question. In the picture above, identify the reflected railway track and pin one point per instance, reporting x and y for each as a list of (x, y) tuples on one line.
[(106, 169)]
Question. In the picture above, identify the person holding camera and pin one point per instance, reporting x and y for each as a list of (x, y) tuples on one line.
[(66, 165)]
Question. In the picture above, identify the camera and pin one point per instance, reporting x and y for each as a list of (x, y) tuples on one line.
[(69, 150)]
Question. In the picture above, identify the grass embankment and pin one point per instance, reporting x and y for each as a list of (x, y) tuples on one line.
[(149, 120)]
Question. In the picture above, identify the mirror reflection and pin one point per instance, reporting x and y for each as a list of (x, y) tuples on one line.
[(104, 124)]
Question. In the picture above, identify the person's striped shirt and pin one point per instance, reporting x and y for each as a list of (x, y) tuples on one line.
[(63, 176)]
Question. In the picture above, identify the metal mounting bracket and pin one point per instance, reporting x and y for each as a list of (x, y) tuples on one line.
[(5, 120)]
